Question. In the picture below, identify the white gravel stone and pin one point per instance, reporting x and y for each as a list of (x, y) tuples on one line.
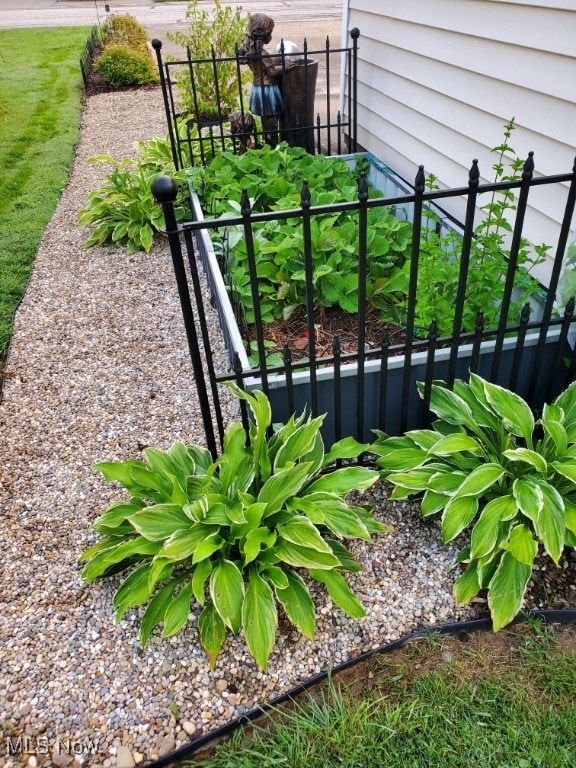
[(98, 368)]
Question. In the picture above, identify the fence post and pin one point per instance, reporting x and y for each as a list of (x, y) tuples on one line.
[(157, 45), (165, 190), (354, 34)]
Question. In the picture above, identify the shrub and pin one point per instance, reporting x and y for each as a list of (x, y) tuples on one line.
[(123, 65), (232, 534), (124, 28), (216, 32), (488, 464)]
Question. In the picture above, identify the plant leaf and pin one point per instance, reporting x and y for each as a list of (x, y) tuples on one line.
[(158, 522), (282, 485), (467, 585), (458, 513), (521, 544), (512, 409), (342, 481), (340, 592), (259, 619), (455, 443), (178, 611), (480, 479), (227, 593), (156, 609), (302, 557), (302, 532), (201, 574), (529, 497), (506, 590), (134, 590), (551, 521), (212, 633), (485, 532), (297, 603), (527, 456)]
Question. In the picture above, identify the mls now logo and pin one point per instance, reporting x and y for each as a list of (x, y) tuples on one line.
[(42, 745)]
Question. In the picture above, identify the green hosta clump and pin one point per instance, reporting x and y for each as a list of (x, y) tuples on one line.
[(234, 534), (279, 245), (490, 466)]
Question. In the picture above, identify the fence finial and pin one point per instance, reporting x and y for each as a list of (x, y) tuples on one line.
[(474, 174), (164, 189), (420, 182), (156, 44), (528, 166)]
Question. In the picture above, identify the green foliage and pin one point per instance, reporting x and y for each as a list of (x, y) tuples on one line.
[(124, 28), (41, 102), (439, 264), (279, 245), (123, 65), (567, 283), (487, 464), (125, 59), (123, 211), (233, 534), (215, 32)]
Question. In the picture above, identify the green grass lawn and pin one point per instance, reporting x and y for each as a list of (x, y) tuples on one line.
[(506, 700), (40, 102)]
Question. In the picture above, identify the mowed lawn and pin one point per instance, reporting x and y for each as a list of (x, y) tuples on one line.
[(40, 103)]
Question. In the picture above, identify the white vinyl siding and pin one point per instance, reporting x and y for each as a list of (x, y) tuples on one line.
[(438, 79)]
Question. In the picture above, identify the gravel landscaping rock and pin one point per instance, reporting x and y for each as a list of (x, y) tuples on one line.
[(99, 369)]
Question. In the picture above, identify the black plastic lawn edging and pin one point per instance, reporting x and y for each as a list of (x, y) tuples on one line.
[(462, 628)]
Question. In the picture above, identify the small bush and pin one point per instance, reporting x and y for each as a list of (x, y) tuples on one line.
[(124, 28), (123, 65)]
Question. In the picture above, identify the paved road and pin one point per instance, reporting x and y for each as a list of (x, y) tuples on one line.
[(54, 13)]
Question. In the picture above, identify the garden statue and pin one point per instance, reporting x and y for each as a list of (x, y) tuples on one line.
[(265, 95), (242, 128)]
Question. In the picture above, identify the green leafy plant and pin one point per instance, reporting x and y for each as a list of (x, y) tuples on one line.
[(279, 245), (489, 465), (125, 59), (439, 264), (123, 211), (212, 34), (231, 534), (123, 65)]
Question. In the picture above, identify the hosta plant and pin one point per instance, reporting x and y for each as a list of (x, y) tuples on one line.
[(488, 466), (235, 535)]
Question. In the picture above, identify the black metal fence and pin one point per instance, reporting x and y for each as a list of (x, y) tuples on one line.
[(310, 119), (93, 43), (374, 386)]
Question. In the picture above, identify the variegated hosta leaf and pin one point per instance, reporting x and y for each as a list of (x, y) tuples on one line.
[(467, 585), (480, 480), (297, 603), (522, 544), (157, 522), (343, 481), (283, 485), (178, 611), (259, 619), (458, 513), (455, 443), (340, 592), (212, 633), (506, 590), (227, 593), (448, 405), (512, 409), (215, 523)]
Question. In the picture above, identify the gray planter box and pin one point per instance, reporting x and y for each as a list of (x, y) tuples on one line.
[(391, 185)]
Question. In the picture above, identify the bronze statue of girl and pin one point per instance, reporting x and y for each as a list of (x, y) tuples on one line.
[(265, 96)]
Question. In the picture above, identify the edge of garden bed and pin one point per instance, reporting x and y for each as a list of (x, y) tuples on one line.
[(565, 616)]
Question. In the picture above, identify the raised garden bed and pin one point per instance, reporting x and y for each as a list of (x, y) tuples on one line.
[(380, 409)]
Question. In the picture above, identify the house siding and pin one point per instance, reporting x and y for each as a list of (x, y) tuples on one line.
[(437, 81)]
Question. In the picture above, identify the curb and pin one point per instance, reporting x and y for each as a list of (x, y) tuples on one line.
[(566, 616)]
